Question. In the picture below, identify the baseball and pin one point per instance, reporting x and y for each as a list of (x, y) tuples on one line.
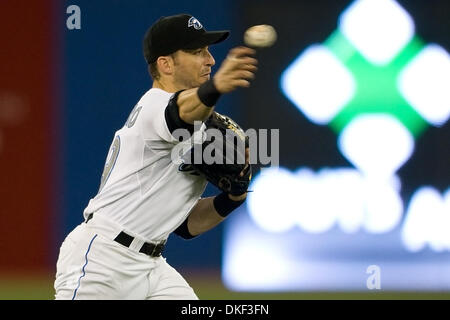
[(260, 36)]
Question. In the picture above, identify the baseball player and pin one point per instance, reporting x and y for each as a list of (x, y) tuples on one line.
[(116, 253)]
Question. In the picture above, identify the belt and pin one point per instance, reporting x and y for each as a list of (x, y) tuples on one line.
[(150, 249)]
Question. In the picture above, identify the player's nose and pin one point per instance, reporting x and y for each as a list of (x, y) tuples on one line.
[(210, 59)]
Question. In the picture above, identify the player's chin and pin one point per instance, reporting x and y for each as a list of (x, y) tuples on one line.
[(205, 77), (201, 80)]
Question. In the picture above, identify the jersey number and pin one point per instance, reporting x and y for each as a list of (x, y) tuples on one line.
[(110, 161), (133, 116)]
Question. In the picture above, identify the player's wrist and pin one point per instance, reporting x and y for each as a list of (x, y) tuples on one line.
[(224, 205), (237, 197), (208, 93)]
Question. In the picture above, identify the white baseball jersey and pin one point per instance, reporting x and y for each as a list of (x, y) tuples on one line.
[(142, 189)]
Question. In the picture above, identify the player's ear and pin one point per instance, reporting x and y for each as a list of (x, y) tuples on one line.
[(165, 64)]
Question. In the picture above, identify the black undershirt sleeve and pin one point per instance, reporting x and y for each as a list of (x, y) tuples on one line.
[(174, 122), (172, 116), (183, 231)]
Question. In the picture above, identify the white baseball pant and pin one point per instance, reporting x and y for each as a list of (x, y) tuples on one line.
[(91, 265)]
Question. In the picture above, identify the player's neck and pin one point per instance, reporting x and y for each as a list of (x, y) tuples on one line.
[(165, 85)]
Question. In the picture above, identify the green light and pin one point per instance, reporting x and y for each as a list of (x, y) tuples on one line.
[(376, 86)]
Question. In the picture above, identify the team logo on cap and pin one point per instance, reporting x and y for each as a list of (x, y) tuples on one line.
[(193, 22)]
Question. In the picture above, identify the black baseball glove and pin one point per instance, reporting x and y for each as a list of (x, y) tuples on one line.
[(222, 160)]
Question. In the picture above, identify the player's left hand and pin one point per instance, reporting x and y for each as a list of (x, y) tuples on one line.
[(247, 164)]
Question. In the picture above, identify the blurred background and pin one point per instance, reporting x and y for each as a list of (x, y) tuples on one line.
[(352, 197)]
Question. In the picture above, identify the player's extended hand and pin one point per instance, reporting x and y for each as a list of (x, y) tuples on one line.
[(236, 70)]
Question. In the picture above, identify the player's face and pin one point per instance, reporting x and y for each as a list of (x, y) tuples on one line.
[(192, 67)]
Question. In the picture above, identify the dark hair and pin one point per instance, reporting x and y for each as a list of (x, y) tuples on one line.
[(153, 70)]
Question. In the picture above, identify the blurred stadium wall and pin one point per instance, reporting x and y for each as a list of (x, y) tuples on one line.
[(30, 158)]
